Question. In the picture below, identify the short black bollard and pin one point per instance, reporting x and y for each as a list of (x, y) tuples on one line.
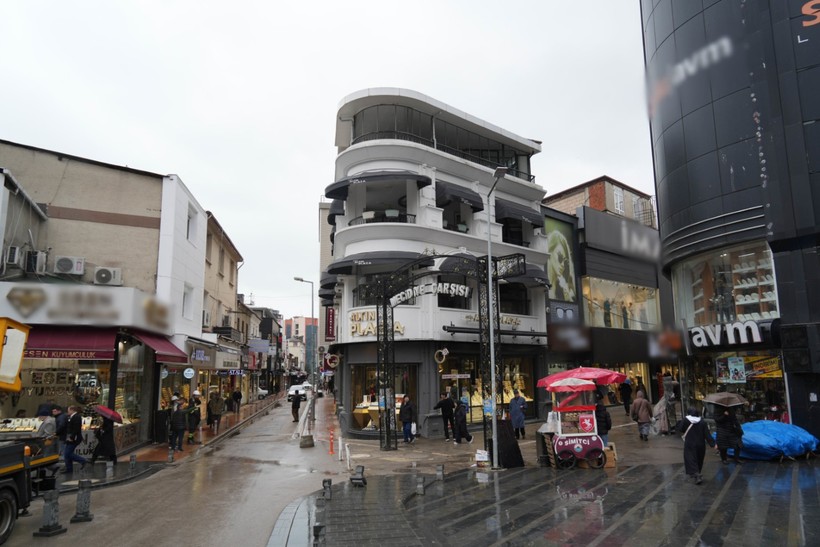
[(132, 464), (318, 534), (171, 454), (326, 484), (440, 472), (51, 516), (420, 486), (83, 512)]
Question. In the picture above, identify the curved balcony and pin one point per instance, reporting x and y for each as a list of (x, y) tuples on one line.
[(389, 215)]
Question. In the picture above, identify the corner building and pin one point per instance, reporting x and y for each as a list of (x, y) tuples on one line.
[(733, 109), (412, 179)]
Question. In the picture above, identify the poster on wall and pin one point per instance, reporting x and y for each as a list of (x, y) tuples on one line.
[(730, 370), (761, 367), (561, 263)]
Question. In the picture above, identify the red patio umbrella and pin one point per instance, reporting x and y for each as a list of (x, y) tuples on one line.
[(106, 412), (598, 375)]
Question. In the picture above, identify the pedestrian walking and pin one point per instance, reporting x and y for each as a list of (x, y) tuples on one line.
[(461, 424), (626, 394), (407, 416), (237, 399), (61, 420), (179, 425), (74, 437), (105, 442), (447, 407), (603, 419), (194, 416), (517, 407), (216, 406), (729, 435), (295, 403), (641, 412), (695, 438), (48, 425)]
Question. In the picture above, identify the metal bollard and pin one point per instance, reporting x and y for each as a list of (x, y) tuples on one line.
[(51, 516), (318, 534), (109, 470), (83, 512), (420, 486), (440, 472), (170, 454), (132, 464), (326, 484)]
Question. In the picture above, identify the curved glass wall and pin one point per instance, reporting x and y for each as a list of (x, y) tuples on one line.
[(405, 123), (735, 284)]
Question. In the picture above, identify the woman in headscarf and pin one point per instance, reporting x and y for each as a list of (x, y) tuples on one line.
[(695, 438)]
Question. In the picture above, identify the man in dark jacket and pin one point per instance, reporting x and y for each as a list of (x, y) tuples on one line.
[(105, 442), (61, 420), (461, 424), (74, 437), (626, 394), (179, 424), (237, 399), (729, 434), (295, 403), (602, 419), (407, 415), (447, 406)]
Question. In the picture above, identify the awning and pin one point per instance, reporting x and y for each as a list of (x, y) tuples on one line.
[(508, 209), (396, 259), (535, 277), (338, 190), (327, 281), (71, 343), (337, 207), (447, 192), (327, 294), (166, 352)]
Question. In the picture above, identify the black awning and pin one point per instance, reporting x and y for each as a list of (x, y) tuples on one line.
[(447, 192), (460, 264), (338, 190), (508, 209), (535, 277), (327, 281), (344, 266), (327, 294), (337, 207)]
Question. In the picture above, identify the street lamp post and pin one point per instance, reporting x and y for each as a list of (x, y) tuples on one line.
[(500, 173), (311, 363)]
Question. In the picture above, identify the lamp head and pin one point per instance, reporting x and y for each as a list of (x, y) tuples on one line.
[(298, 279), (500, 172)]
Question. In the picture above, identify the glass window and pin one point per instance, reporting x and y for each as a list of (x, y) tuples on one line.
[(513, 298), (619, 200), (387, 118), (209, 239), (613, 304), (365, 392), (457, 302), (735, 284)]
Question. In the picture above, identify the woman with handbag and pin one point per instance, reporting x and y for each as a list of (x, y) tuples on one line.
[(729, 435), (695, 438)]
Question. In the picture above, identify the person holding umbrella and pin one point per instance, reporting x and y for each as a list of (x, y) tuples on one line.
[(729, 434), (105, 442)]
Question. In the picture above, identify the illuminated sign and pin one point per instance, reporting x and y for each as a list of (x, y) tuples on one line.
[(811, 9), (728, 334)]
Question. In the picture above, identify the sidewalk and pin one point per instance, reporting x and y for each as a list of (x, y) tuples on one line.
[(154, 457)]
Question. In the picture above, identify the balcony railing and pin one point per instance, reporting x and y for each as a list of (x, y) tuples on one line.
[(370, 217), (404, 136)]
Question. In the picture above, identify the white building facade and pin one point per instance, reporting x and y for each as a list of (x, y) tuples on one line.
[(412, 179)]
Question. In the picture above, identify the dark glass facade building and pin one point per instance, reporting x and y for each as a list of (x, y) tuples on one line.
[(734, 100)]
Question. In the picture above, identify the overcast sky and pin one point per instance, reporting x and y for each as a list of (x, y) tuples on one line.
[(239, 98)]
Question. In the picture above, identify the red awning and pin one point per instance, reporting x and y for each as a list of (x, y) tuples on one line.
[(165, 350), (48, 342)]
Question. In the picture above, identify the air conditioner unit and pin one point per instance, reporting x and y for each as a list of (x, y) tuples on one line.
[(36, 262), (73, 265), (103, 275), (206, 318), (13, 255)]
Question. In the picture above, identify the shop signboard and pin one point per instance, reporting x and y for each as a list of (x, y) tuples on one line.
[(449, 289), (330, 324), (188, 373), (455, 376), (726, 334), (621, 236)]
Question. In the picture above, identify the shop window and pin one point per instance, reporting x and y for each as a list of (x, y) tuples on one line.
[(457, 302), (613, 304), (513, 298), (365, 392), (735, 284)]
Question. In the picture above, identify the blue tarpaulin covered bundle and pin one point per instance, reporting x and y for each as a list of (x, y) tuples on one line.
[(767, 440)]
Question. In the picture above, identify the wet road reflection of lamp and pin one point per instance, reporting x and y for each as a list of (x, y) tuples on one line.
[(500, 173), (310, 357)]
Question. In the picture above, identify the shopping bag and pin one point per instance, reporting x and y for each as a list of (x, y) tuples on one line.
[(413, 428), (553, 422)]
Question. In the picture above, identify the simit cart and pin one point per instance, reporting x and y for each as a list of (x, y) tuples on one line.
[(577, 430)]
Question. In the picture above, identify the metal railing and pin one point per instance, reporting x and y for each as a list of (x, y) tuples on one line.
[(401, 218)]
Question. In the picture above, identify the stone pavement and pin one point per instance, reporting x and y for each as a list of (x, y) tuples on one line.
[(645, 500)]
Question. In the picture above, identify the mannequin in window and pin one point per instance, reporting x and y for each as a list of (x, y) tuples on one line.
[(724, 301)]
